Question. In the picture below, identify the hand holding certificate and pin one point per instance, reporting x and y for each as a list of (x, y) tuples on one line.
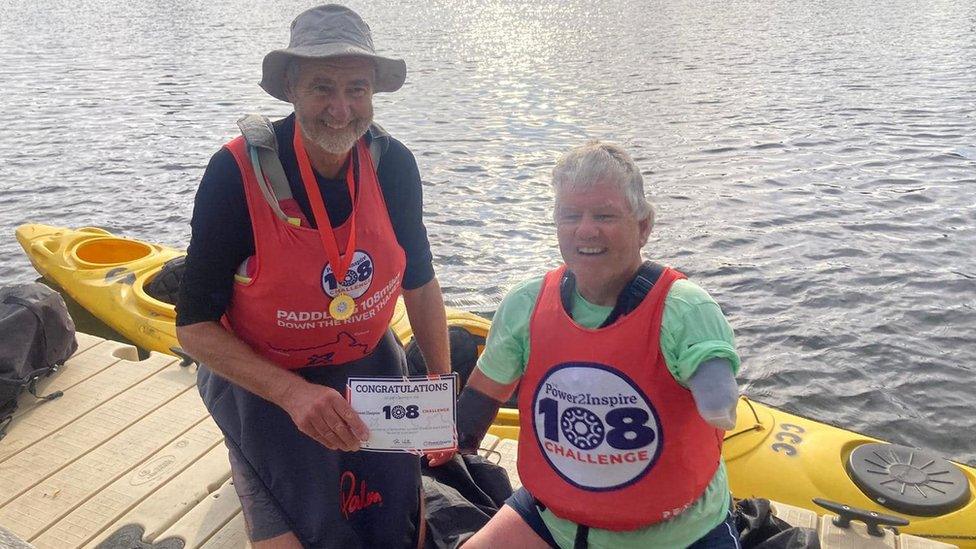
[(415, 414)]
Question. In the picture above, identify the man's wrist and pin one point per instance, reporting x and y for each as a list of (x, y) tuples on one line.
[(285, 384), (437, 370)]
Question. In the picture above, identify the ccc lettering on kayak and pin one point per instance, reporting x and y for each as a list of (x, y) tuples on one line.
[(787, 439)]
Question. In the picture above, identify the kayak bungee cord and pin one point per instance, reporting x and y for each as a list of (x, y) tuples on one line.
[(757, 426)]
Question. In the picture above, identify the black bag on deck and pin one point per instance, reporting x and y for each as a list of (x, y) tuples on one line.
[(36, 336), (760, 529), (460, 497)]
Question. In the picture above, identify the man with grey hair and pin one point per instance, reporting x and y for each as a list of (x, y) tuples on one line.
[(625, 372), (304, 233)]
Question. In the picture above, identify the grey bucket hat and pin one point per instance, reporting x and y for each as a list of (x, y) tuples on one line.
[(330, 31)]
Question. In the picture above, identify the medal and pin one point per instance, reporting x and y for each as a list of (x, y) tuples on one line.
[(342, 307)]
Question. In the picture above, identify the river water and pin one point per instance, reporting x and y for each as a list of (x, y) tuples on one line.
[(812, 163)]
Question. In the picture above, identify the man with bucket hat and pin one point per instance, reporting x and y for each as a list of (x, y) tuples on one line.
[(304, 232)]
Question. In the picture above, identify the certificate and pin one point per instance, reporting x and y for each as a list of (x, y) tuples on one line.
[(406, 414)]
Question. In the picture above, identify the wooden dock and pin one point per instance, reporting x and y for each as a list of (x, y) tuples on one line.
[(129, 453)]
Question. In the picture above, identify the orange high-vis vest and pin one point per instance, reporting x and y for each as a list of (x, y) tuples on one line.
[(283, 311), (609, 439)]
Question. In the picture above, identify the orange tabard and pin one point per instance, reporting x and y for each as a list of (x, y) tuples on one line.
[(283, 312), (609, 439)]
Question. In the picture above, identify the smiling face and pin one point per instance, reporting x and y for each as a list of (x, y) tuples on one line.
[(333, 100), (600, 239)]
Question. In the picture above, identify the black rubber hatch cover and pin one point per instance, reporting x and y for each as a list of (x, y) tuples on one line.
[(908, 480)]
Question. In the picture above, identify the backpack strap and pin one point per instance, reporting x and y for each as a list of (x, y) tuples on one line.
[(628, 300), (379, 142), (636, 291), (262, 147), (582, 537)]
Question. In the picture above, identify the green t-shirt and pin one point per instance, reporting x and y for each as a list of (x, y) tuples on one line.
[(693, 330)]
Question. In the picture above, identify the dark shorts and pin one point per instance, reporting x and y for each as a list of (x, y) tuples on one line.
[(262, 516), (289, 482), (723, 536)]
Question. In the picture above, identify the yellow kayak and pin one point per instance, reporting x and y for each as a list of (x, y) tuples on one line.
[(112, 277), (770, 453)]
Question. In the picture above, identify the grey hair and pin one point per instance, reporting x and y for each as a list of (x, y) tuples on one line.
[(598, 162), (292, 74)]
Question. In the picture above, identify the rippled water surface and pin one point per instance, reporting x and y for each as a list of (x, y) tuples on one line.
[(812, 162)]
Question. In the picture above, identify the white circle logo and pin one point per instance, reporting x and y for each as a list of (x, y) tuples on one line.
[(595, 427), (358, 277)]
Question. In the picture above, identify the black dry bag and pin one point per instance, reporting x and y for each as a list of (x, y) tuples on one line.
[(36, 337)]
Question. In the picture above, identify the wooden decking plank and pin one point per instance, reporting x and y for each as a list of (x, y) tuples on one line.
[(9, 541), (174, 499), (86, 341), (795, 516), (82, 365), (487, 449), (207, 518), (231, 536), (44, 503), (30, 466), (110, 503), (489, 442), (27, 429), (508, 450)]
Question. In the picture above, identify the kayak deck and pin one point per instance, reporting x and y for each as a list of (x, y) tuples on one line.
[(129, 452)]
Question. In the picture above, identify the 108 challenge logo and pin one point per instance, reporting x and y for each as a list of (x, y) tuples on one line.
[(595, 426), (356, 281), (400, 412)]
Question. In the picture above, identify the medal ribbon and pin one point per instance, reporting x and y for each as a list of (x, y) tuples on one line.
[(339, 262)]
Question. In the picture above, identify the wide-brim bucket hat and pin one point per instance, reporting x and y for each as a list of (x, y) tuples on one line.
[(330, 31)]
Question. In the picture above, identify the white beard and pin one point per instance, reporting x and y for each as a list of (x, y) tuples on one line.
[(335, 141)]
